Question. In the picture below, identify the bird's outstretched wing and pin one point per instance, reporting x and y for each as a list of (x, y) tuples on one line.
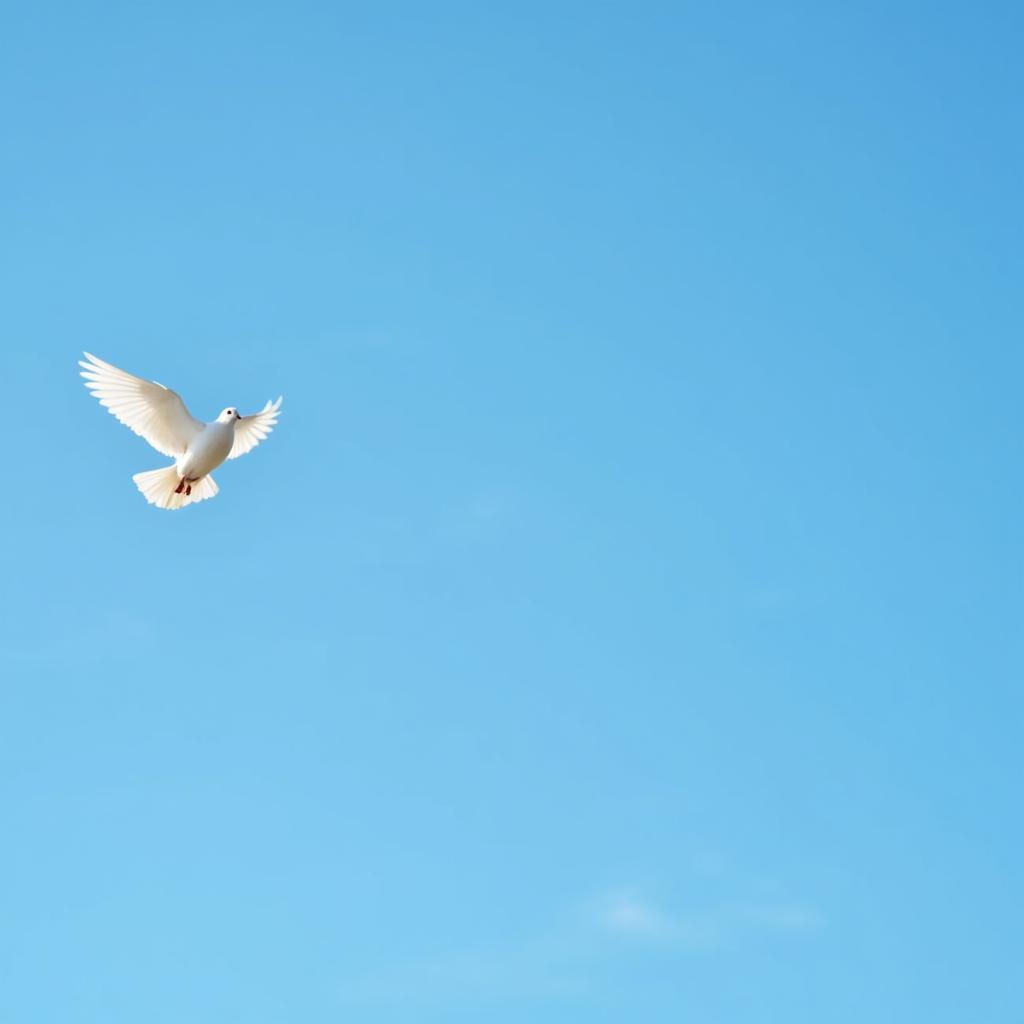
[(250, 430), (151, 410)]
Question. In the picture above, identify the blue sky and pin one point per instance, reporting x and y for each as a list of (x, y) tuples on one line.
[(623, 622)]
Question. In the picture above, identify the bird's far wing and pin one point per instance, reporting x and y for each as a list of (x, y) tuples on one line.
[(250, 430), (151, 410)]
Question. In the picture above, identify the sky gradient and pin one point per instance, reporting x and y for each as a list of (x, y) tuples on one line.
[(623, 621)]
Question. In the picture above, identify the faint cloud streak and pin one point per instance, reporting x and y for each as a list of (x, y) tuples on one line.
[(624, 913), (568, 960)]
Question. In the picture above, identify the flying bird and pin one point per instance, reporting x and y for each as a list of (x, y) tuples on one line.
[(159, 415)]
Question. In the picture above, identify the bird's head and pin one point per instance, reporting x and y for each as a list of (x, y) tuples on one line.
[(229, 415)]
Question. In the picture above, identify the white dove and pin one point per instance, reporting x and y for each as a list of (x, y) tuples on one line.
[(159, 415)]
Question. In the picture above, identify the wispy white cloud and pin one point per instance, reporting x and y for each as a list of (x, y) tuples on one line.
[(567, 960), (625, 913)]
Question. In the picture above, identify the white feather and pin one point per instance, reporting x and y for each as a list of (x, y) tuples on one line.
[(250, 430), (154, 412)]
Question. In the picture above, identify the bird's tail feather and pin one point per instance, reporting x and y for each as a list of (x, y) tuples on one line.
[(160, 488)]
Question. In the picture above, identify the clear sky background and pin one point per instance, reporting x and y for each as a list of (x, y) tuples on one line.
[(623, 622)]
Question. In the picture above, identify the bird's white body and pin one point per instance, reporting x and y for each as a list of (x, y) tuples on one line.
[(207, 450), (159, 415)]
